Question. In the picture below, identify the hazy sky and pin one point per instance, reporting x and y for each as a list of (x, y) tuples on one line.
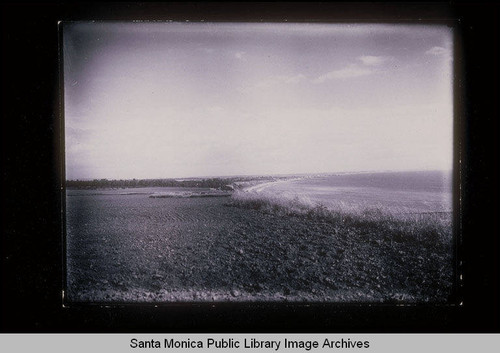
[(159, 100)]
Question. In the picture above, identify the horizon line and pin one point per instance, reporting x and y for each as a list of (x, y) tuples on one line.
[(271, 175)]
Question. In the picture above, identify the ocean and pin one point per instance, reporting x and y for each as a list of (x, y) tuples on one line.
[(395, 192)]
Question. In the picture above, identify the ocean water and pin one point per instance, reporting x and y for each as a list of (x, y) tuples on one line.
[(395, 192)]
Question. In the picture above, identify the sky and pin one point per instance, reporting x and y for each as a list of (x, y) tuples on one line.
[(172, 100)]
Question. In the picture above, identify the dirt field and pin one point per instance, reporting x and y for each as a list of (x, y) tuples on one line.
[(132, 248)]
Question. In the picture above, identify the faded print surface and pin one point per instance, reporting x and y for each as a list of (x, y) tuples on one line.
[(258, 162)]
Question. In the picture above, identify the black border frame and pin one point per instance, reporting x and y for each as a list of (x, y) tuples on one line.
[(32, 207)]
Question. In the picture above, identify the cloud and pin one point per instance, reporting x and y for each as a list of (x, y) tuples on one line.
[(275, 80), (239, 55), (350, 71), (356, 70), (437, 51), (293, 79), (371, 60), (215, 109)]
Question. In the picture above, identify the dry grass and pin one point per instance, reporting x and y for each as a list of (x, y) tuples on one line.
[(427, 229)]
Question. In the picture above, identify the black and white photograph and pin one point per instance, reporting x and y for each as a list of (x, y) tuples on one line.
[(258, 162)]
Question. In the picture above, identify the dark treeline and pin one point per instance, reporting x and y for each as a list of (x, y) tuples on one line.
[(216, 183)]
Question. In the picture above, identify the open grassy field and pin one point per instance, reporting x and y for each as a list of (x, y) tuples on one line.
[(128, 247)]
